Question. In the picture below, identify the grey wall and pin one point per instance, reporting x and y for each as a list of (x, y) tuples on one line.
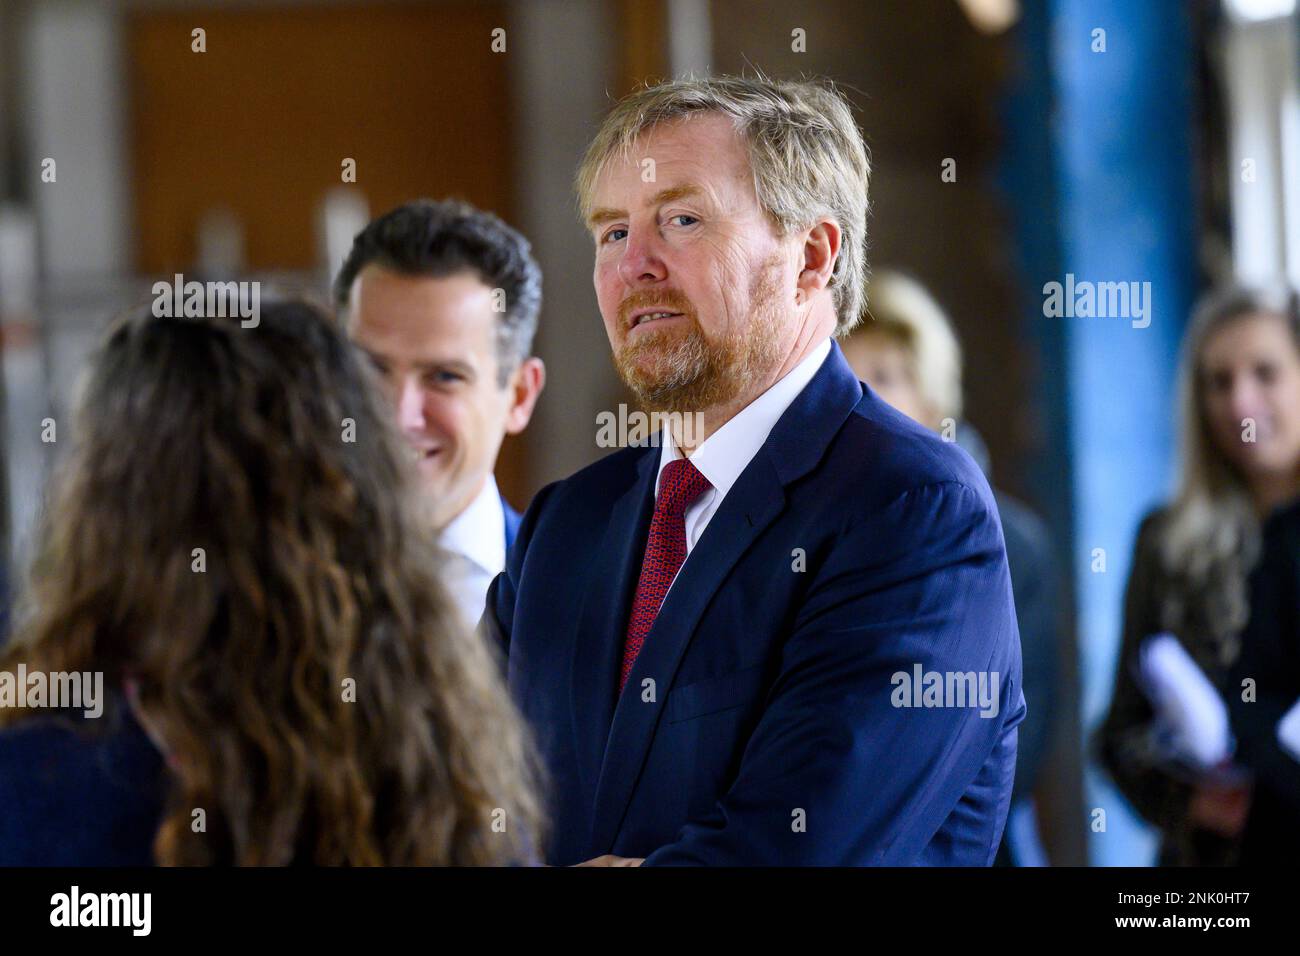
[(558, 110)]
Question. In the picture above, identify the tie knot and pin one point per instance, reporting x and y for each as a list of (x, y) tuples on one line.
[(680, 483)]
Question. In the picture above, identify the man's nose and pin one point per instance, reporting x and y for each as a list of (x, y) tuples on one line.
[(410, 405), (641, 262)]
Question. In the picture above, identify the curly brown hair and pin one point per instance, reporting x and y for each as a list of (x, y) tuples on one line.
[(269, 449)]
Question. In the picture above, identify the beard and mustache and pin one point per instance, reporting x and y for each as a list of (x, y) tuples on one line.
[(680, 370)]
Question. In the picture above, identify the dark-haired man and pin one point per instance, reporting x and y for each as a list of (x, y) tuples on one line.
[(444, 299)]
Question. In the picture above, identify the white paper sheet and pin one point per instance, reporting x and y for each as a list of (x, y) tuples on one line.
[(1191, 715)]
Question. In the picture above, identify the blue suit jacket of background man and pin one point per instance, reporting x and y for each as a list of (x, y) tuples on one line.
[(763, 721)]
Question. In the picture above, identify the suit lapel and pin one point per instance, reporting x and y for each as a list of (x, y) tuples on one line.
[(598, 646), (794, 447), (751, 505)]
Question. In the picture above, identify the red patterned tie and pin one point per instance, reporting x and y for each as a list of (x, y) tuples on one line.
[(680, 483)]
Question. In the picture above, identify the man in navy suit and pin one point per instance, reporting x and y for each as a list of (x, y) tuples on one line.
[(783, 632), (444, 299)]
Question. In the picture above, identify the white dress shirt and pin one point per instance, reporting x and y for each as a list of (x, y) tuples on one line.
[(727, 452), (476, 544)]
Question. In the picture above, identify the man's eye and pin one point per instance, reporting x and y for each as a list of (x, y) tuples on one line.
[(610, 236), (683, 215), (446, 378)]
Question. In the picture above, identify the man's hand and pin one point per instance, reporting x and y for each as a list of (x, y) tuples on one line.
[(610, 860)]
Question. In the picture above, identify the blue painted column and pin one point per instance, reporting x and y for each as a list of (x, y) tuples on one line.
[(1123, 141), (1099, 174)]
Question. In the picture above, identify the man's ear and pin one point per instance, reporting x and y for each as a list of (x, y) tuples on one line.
[(821, 248), (525, 388)]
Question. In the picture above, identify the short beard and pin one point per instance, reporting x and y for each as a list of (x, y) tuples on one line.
[(682, 372)]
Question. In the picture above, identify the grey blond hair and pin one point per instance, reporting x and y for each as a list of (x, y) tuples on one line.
[(805, 150)]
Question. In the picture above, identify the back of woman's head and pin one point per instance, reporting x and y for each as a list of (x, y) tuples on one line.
[(232, 532)]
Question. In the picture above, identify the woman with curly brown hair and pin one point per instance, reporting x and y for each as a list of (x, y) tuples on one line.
[(231, 544)]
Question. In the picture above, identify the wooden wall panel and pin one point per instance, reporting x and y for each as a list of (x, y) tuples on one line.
[(261, 122)]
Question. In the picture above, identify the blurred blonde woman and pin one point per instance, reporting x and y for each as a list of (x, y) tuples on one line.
[(1239, 461)]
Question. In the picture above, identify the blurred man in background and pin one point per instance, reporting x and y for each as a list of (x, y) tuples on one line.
[(907, 352), (444, 299)]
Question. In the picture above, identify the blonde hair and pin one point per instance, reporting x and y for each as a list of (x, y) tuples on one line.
[(805, 150), (901, 308), (1210, 536)]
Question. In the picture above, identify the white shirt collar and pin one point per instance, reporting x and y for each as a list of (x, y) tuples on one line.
[(727, 452), (479, 532)]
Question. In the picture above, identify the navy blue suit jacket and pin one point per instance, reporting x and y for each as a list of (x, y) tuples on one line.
[(759, 724)]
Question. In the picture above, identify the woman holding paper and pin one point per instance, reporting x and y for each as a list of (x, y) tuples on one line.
[(1164, 740)]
